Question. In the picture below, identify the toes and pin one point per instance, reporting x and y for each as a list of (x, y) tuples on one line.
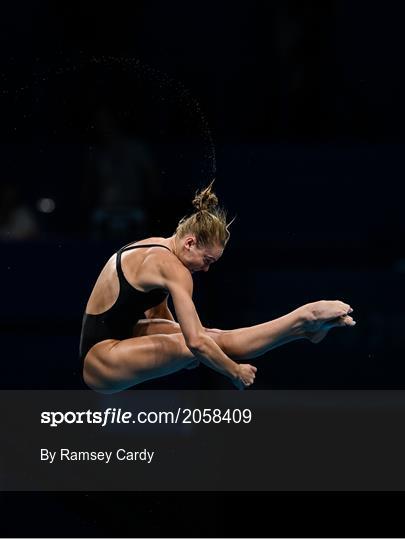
[(347, 308), (341, 320), (346, 320)]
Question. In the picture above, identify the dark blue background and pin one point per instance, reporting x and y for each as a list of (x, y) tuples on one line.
[(305, 104)]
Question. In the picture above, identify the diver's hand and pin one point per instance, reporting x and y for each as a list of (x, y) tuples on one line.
[(245, 376), (321, 316)]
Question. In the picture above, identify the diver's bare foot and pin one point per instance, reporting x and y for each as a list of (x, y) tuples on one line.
[(321, 316)]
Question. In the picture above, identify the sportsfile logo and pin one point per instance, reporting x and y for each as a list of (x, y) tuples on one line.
[(108, 416)]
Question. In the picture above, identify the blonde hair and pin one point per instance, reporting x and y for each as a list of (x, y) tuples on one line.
[(208, 222)]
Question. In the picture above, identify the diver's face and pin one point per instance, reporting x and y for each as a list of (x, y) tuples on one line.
[(199, 259)]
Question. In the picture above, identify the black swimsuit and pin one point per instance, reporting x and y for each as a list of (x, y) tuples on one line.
[(118, 321)]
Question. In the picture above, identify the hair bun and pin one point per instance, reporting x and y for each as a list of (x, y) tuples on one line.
[(208, 222), (205, 199)]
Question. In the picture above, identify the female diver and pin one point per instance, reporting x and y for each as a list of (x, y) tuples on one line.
[(129, 334)]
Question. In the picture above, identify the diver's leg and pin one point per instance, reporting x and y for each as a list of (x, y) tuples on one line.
[(112, 365), (253, 341), (240, 343)]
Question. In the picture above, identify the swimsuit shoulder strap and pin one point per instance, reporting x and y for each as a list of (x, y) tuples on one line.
[(128, 247)]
